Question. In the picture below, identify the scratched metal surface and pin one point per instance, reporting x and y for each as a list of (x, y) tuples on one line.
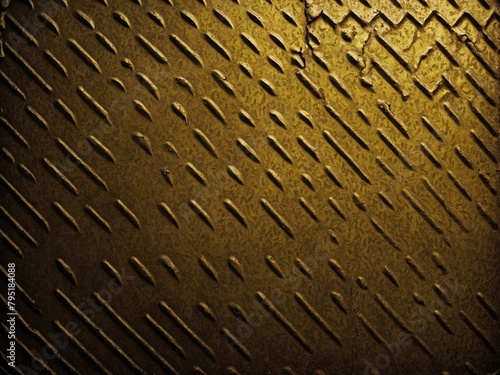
[(254, 187)]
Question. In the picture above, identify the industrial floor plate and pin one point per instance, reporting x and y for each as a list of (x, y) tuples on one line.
[(249, 186)]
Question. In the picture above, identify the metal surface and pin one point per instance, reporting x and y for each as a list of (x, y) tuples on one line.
[(254, 187)]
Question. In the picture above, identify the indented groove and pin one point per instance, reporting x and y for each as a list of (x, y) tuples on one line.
[(156, 18), (202, 214), (432, 129), (231, 207), (415, 267), (309, 148), (236, 266), (340, 85), (49, 22), (66, 111), (217, 45), (165, 209), (189, 18), (144, 142), (152, 49), (79, 162), (317, 318), (34, 332), (35, 359), (486, 216), (196, 173), (487, 305), (10, 242), (442, 321), (26, 172), (250, 42), (420, 209), (342, 152), (478, 332), (66, 216), (29, 207), (135, 335), (487, 123), (336, 206), (275, 178), (84, 55), (186, 50), (484, 177), (222, 17), (209, 268), (309, 84), (461, 188), (386, 110), (430, 154), (127, 212), (171, 313), (56, 63), (268, 305), (444, 204), (348, 128), (309, 209), (89, 210), (14, 87), (338, 299), (99, 332), (93, 104), (84, 19), (23, 32), (207, 311), (479, 88), (67, 271), (443, 294), (280, 220), (171, 267), (268, 86), (247, 150), (166, 336), (122, 19), (391, 276), (206, 142), (279, 149), (15, 133), (384, 234), (112, 271), (394, 148), (83, 349), (303, 267), (337, 268), (215, 109), (480, 142), (106, 43), (274, 266), (18, 226), (142, 270), (384, 72), (278, 118), (233, 341), (101, 148), (143, 110), (60, 176)]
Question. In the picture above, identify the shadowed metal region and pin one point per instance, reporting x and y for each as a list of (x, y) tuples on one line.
[(250, 187)]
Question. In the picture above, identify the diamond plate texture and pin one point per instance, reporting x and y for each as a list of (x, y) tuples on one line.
[(251, 187)]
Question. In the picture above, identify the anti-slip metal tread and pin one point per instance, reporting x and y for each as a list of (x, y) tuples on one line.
[(251, 187)]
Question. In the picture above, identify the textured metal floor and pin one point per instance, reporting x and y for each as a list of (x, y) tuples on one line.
[(254, 187)]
